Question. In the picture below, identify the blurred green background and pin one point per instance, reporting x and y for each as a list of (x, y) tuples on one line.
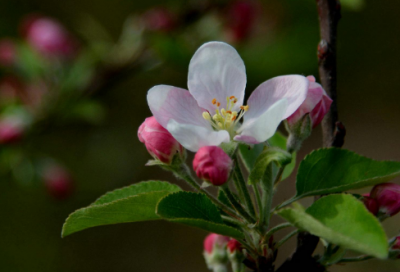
[(109, 156)]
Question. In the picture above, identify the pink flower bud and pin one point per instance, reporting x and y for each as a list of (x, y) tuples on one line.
[(234, 245), (212, 164), (371, 204), (11, 130), (159, 19), (214, 241), (58, 182), (48, 37), (240, 19), (8, 54), (396, 244), (158, 141), (387, 196), (317, 104)]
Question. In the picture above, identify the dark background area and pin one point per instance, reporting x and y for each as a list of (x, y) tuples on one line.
[(109, 156)]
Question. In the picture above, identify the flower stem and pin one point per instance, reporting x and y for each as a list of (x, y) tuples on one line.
[(286, 238), (240, 184), (267, 186), (238, 207), (183, 173), (277, 228), (355, 259), (258, 198)]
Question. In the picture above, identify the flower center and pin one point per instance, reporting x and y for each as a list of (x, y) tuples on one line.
[(225, 119)]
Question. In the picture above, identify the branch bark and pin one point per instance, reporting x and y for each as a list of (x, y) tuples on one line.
[(333, 132), (329, 15)]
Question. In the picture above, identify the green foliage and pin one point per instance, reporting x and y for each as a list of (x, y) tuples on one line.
[(271, 154), (342, 220), (333, 170), (130, 204), (136, 189), (195, 210), (250, 155)]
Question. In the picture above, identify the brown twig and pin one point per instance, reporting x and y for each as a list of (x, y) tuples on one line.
[(329, 15), (333, 132)]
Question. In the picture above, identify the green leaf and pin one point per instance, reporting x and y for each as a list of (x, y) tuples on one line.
[(341, 220), (135, 189), (130, 204), (132, 209), (335, 170), (249, 155), (195, 210), (272, 154)]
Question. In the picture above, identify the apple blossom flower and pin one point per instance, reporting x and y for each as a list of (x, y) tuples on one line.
[(210, 112), (215, 251), (58, 181), (316, 104), (387, 196), (48, 36), (158, 141), (8, 54), (212, 164)]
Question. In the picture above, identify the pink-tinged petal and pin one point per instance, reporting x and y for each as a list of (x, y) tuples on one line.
[(168, 102), (292, 87), (216, 71), (193, 137), (314, 97), (264, 126), (317, 104)]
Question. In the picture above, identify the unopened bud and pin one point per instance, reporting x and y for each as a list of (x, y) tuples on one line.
[(371, 204), (387, 196), (212, 164), (215, 252), (235, 255), (394, 252), (158, 141), (48, 37), (316, 104), (58, 182), (240, 19)]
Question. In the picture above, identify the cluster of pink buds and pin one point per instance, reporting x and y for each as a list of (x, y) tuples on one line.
[(48, 37), (219, 249), (384, 200), (212, 165), (58, 182), (158, 141)]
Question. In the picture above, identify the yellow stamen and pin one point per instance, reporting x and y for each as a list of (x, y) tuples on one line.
[(218, 104), (232, 97), (223, 112), (206, 116), (228, 111), (234, 118), (234, 101)]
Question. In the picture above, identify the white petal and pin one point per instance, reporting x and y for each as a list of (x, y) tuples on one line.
[(193, 137), (264, 126), (293, 88), (168, 102), (216, 71)]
